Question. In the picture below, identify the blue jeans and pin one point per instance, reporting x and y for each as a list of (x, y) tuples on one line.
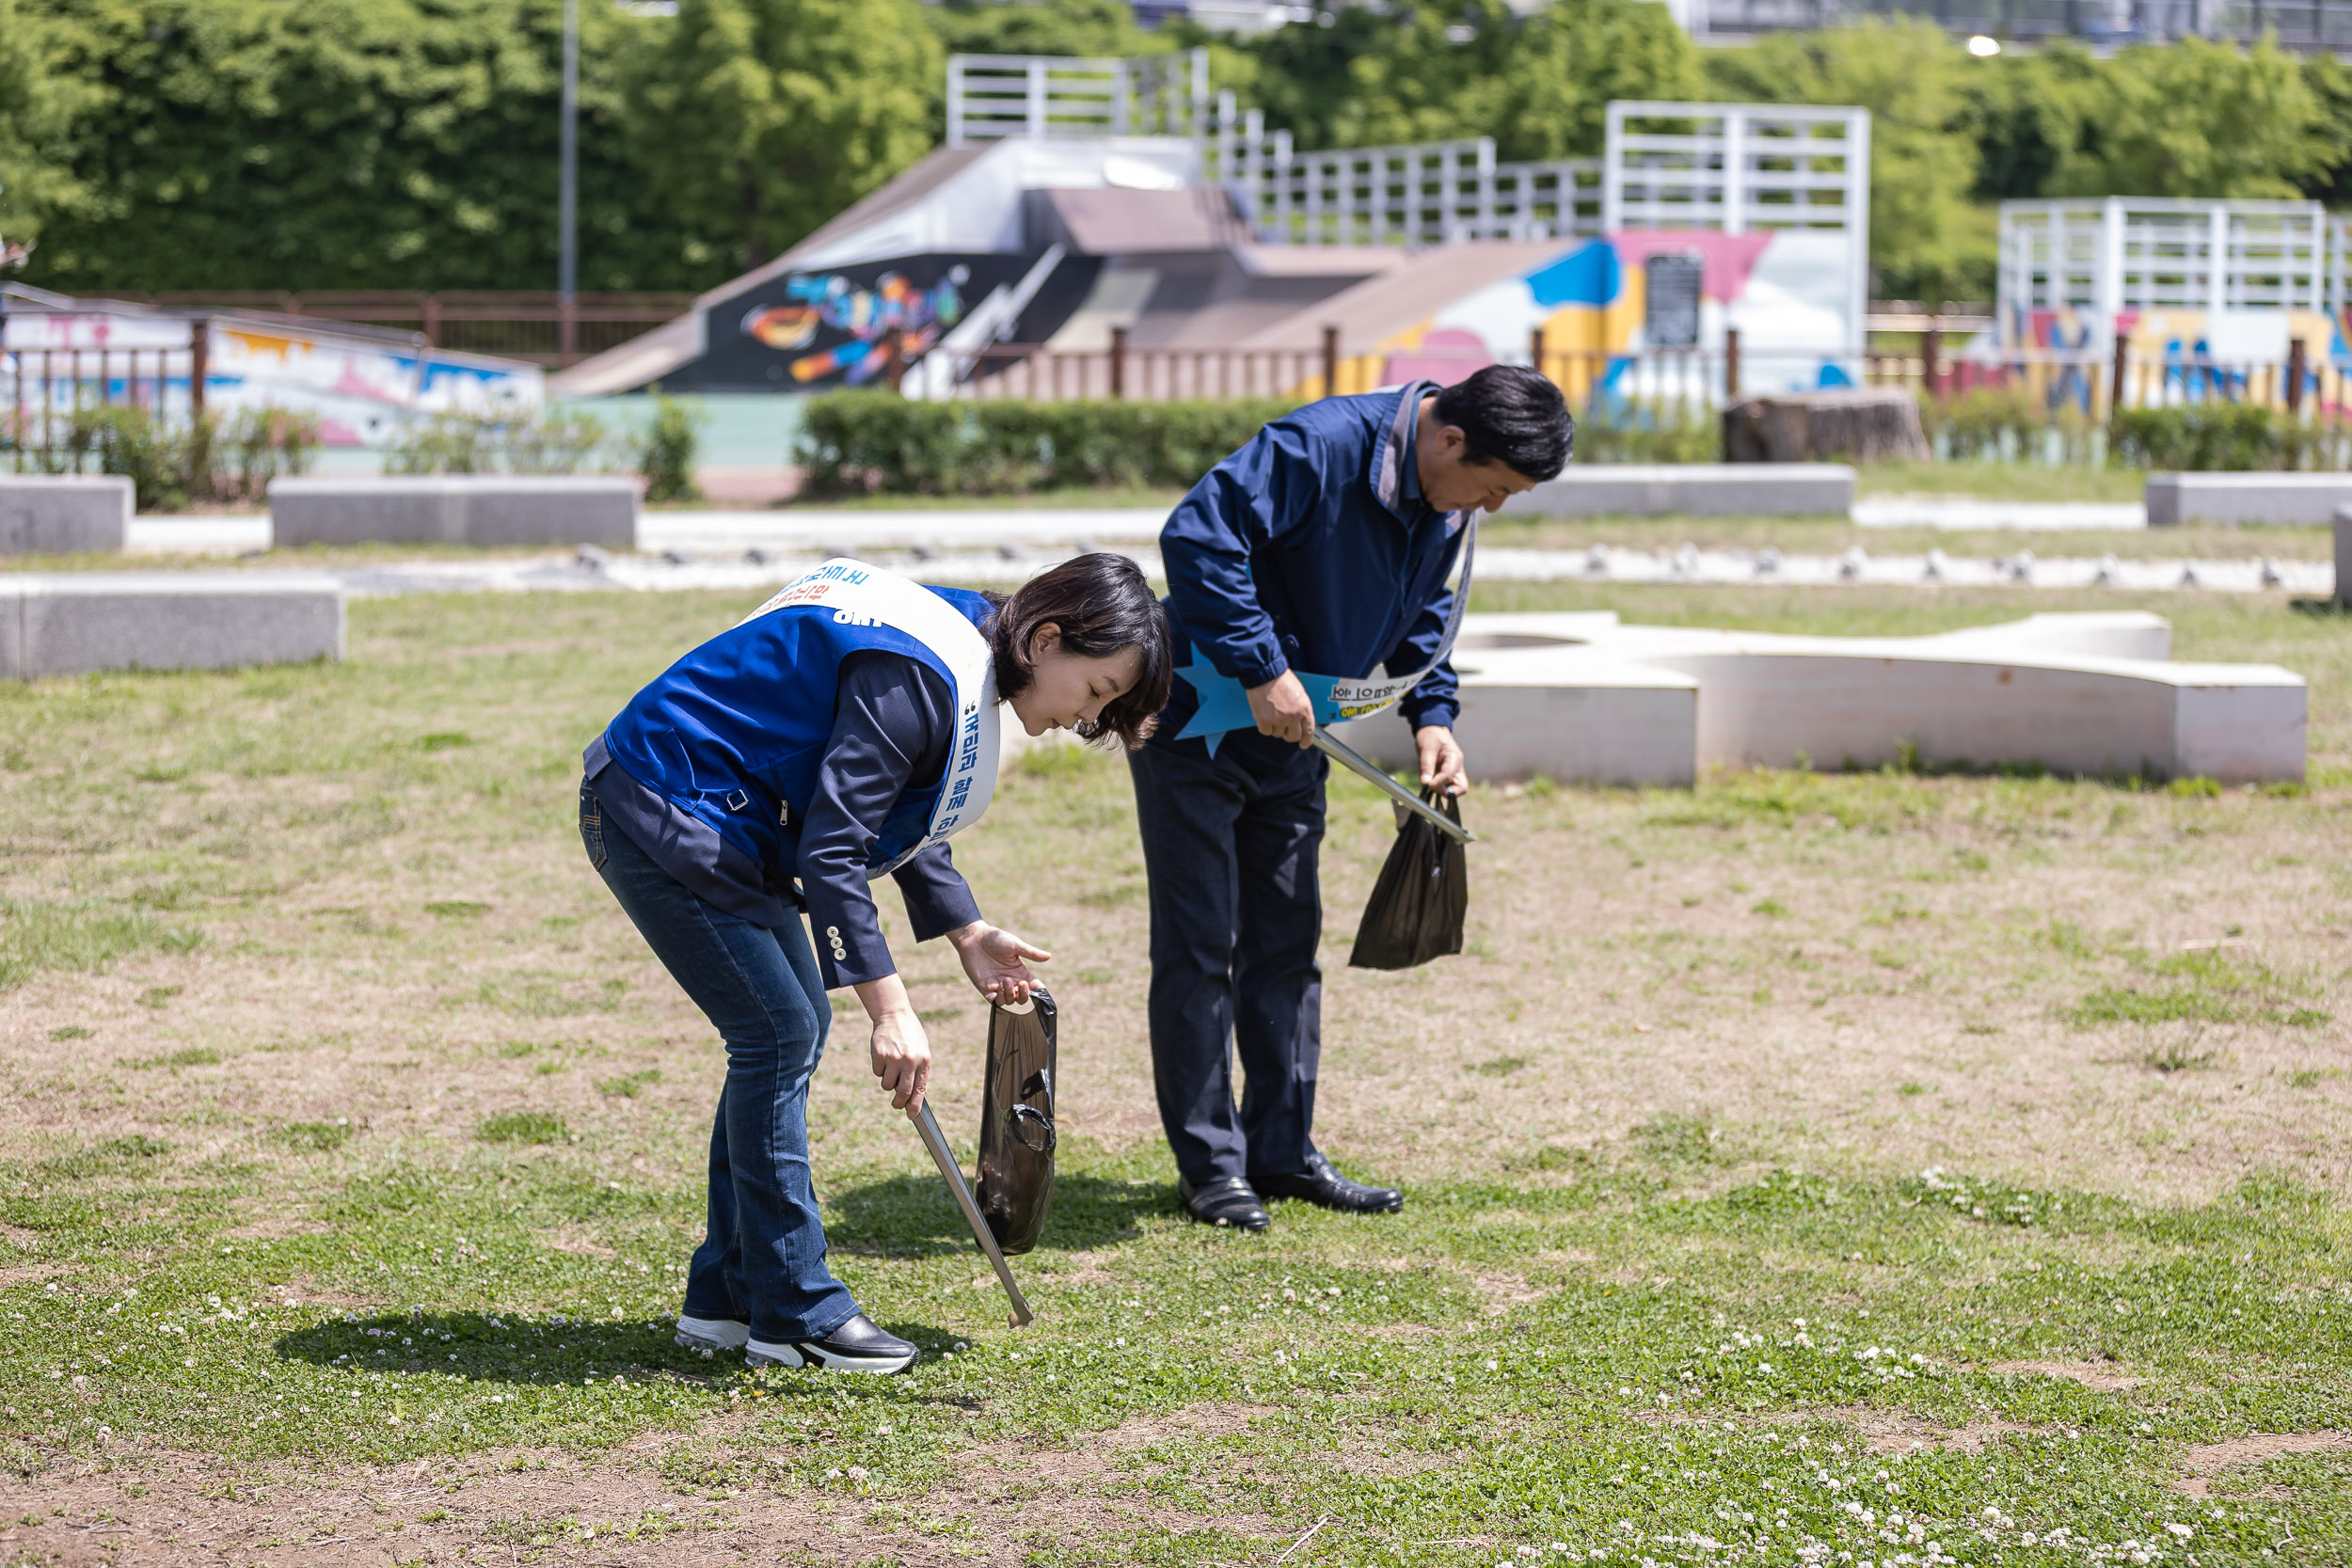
[(1230, 846), (762, 1260)]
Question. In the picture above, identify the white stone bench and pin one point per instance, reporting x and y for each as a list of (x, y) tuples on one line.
[(69, 623), (453, 509), (2343, 521), (1695, 489), (64, 514), (1582, 697), (2174, 500)]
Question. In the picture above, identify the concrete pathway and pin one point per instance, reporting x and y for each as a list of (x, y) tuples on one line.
[(1957, 514), (825, 530), (853, 529), (1009, 565)]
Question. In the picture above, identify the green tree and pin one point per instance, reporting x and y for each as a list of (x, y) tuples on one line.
[(1101, 29), (41, 106), (1302, 74), (2196, 118), (2022, 111), (765, 117), (248, 144), (1926, 241), (1539, 84)]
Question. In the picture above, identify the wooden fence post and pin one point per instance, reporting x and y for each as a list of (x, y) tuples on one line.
[(1119, 364), (431, 312), (1931, 361), (1731, 366), (2114, 383), (1330, 361), (1536, 351), (200, 362), (2295, 371), (568, 327)]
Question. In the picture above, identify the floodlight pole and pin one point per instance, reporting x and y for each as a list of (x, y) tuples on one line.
[(567, 196)]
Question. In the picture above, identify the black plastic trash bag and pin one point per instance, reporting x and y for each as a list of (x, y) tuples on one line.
[(1419, 903), (1016, 1184)]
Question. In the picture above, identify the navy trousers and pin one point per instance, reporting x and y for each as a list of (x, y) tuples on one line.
[(762, 1261), (1231, 843)]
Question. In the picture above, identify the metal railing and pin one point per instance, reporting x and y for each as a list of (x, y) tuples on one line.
[(2086, 385), (990, 97), (2301, 25), (1124, 372), (46, 393), (538, 328)]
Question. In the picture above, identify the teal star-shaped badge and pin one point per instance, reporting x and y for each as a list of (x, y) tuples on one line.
[(1225, 707)]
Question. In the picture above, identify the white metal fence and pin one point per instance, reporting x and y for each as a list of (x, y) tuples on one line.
[(1736, 167), (990, 97), (2144, 254), (1432, 193)]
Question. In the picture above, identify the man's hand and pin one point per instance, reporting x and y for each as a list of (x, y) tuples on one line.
[(1442, 768), (1283, 710), (994, 960)]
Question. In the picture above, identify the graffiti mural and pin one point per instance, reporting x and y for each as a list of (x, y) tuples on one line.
[(862, 325), (365, 390), (1784, 291)]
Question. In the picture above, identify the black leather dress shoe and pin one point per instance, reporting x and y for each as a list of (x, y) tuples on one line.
[(1227, 1200), (1319, 1183), (860, 1345)]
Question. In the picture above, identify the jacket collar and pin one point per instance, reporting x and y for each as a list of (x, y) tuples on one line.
[(1388, 454)]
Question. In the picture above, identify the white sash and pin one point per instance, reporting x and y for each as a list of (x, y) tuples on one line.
[(860, 594), (1376, 692)]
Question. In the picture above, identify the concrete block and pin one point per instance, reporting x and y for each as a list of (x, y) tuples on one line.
[(2232, 499), (2343, 554), (69, 623), (454, 509), (1582, 697), (1698, 489), (64, 514)]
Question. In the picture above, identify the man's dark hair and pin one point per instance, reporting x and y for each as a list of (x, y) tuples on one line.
[(1104, 607), (1513, 416)]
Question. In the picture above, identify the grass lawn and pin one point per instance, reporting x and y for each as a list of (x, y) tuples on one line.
[(1804, 1169), (2000, 482)]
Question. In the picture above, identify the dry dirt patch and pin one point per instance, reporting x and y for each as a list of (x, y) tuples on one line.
[(176, 1509), (1893, 1431), (2206, 1459), (2098, 1375)]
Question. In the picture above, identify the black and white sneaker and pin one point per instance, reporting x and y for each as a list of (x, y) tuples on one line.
[(711, 1335), (856, 1346)]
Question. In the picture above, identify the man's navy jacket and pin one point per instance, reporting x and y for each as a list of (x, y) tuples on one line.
[(1311, 549)]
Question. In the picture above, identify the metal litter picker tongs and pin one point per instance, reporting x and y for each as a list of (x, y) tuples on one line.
[(936, 1141), (1346, 756)]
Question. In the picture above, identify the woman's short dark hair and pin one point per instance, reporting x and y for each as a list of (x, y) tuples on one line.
[(1104, 607), (1511, 415)]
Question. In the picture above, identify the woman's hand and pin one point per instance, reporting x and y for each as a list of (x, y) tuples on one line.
[(996, 960), (902, 1051)]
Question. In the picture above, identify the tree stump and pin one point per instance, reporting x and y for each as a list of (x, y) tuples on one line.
[(1864, 424)]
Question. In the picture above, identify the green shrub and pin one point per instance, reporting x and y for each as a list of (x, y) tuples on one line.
[(257, 445), (173, 464), (2238, 437), (665, 455), (1647, 429), (551, 441), (878, 442)]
